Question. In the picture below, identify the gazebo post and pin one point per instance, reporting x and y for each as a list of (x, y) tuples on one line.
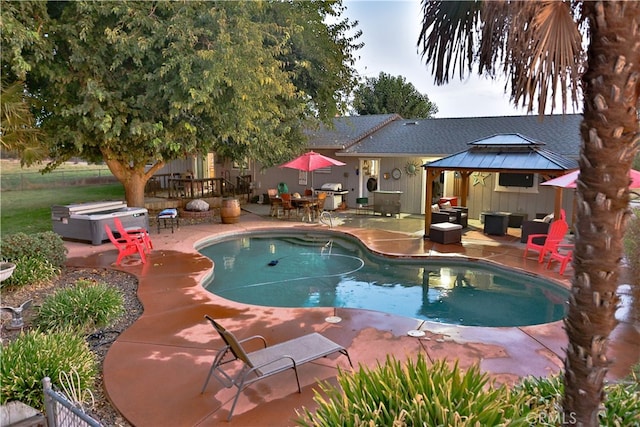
[(431, 175), (464, 187)]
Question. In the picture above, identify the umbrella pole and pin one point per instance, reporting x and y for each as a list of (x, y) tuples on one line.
[(558, 204)]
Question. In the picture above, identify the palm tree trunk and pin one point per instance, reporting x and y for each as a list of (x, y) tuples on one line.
[(610, 134)]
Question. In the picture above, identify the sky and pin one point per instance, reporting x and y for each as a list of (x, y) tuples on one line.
[(390, 32)]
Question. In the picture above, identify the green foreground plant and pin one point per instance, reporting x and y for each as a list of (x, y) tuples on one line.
[(30, 271), (46, 245), (38, 257), (85, 306), (35, 355), (414, 393), (544, 399)]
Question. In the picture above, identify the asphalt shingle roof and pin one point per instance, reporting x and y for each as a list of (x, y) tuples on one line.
[(442, 137), (346, 131)]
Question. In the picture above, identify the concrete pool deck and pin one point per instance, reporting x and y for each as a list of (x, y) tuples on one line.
[(154, 372)]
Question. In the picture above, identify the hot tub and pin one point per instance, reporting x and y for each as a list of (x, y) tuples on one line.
[(86, 221)]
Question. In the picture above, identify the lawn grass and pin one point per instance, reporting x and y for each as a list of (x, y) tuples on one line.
[(13, 167), (18, 178), (30, 211)]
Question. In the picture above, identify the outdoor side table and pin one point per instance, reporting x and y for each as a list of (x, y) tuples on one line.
[(496, 223), (168, 218), (516, 219), (445, 233)]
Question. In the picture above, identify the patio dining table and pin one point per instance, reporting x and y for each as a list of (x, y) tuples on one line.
[(307, 204)]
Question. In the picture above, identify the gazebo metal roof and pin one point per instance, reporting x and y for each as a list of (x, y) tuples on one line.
[(506, 152)]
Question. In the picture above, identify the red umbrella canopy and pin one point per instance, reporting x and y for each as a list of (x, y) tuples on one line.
[(311, 161), (569, 180)]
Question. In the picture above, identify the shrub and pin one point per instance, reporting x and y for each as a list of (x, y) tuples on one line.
[(544, 400), (632, 245), (35, 355), (632, 251), (31, 270), (85, 306), (47, 245), (414, 393)]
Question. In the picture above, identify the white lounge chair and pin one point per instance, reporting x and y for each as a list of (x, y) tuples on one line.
[(267, 361)]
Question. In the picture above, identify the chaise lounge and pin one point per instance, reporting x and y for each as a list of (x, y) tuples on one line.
[(267, 361)]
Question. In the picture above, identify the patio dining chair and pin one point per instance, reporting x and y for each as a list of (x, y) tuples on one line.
[(322, 199), (552, 239), (287, 206), (126, 246), (275, 203), (267, 361), (139, 233)]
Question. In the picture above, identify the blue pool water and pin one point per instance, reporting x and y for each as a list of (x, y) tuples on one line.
[(322, 270)]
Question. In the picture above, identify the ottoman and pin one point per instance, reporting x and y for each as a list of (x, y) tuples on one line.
[(445, 233)]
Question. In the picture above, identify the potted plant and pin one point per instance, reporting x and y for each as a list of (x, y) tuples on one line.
[(6, 270)]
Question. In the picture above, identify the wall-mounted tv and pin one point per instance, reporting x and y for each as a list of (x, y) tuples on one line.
[(516, 180)]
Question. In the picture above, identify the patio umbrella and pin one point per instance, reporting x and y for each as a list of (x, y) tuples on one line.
[(311, 161), (569, 181)]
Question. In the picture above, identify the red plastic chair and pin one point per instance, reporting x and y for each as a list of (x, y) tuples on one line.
[(562, 257), (140, 234), (552, 239), (126, 246)]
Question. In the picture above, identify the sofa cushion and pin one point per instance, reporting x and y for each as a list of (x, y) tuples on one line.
[(446, 226)]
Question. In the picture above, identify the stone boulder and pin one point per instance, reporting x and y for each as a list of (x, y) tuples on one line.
[(197, 206)]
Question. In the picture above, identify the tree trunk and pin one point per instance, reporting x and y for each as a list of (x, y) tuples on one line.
[(610, 136), (134, 190), (132, 176)]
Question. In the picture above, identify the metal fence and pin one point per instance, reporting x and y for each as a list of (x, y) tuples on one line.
[(61, 412), (36, 180)]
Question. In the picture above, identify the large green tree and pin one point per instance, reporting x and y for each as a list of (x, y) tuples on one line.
[(139, 83), (539, 45), (387, 95), (19, 132)]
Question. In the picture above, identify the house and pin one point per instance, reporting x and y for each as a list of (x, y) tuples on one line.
[(386, 152)]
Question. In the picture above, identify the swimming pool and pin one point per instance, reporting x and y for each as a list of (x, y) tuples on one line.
[(326, 270)]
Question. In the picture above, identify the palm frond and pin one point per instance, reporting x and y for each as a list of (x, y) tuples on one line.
[(537, 44), (447, 36), (545, 54)]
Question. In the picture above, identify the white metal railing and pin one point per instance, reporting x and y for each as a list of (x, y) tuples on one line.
[(61, 412)]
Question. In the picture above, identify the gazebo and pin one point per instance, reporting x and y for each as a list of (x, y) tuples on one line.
[(502, 153)]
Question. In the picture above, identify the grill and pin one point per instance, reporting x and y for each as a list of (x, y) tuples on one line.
[(85, 221), (334, 195)]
